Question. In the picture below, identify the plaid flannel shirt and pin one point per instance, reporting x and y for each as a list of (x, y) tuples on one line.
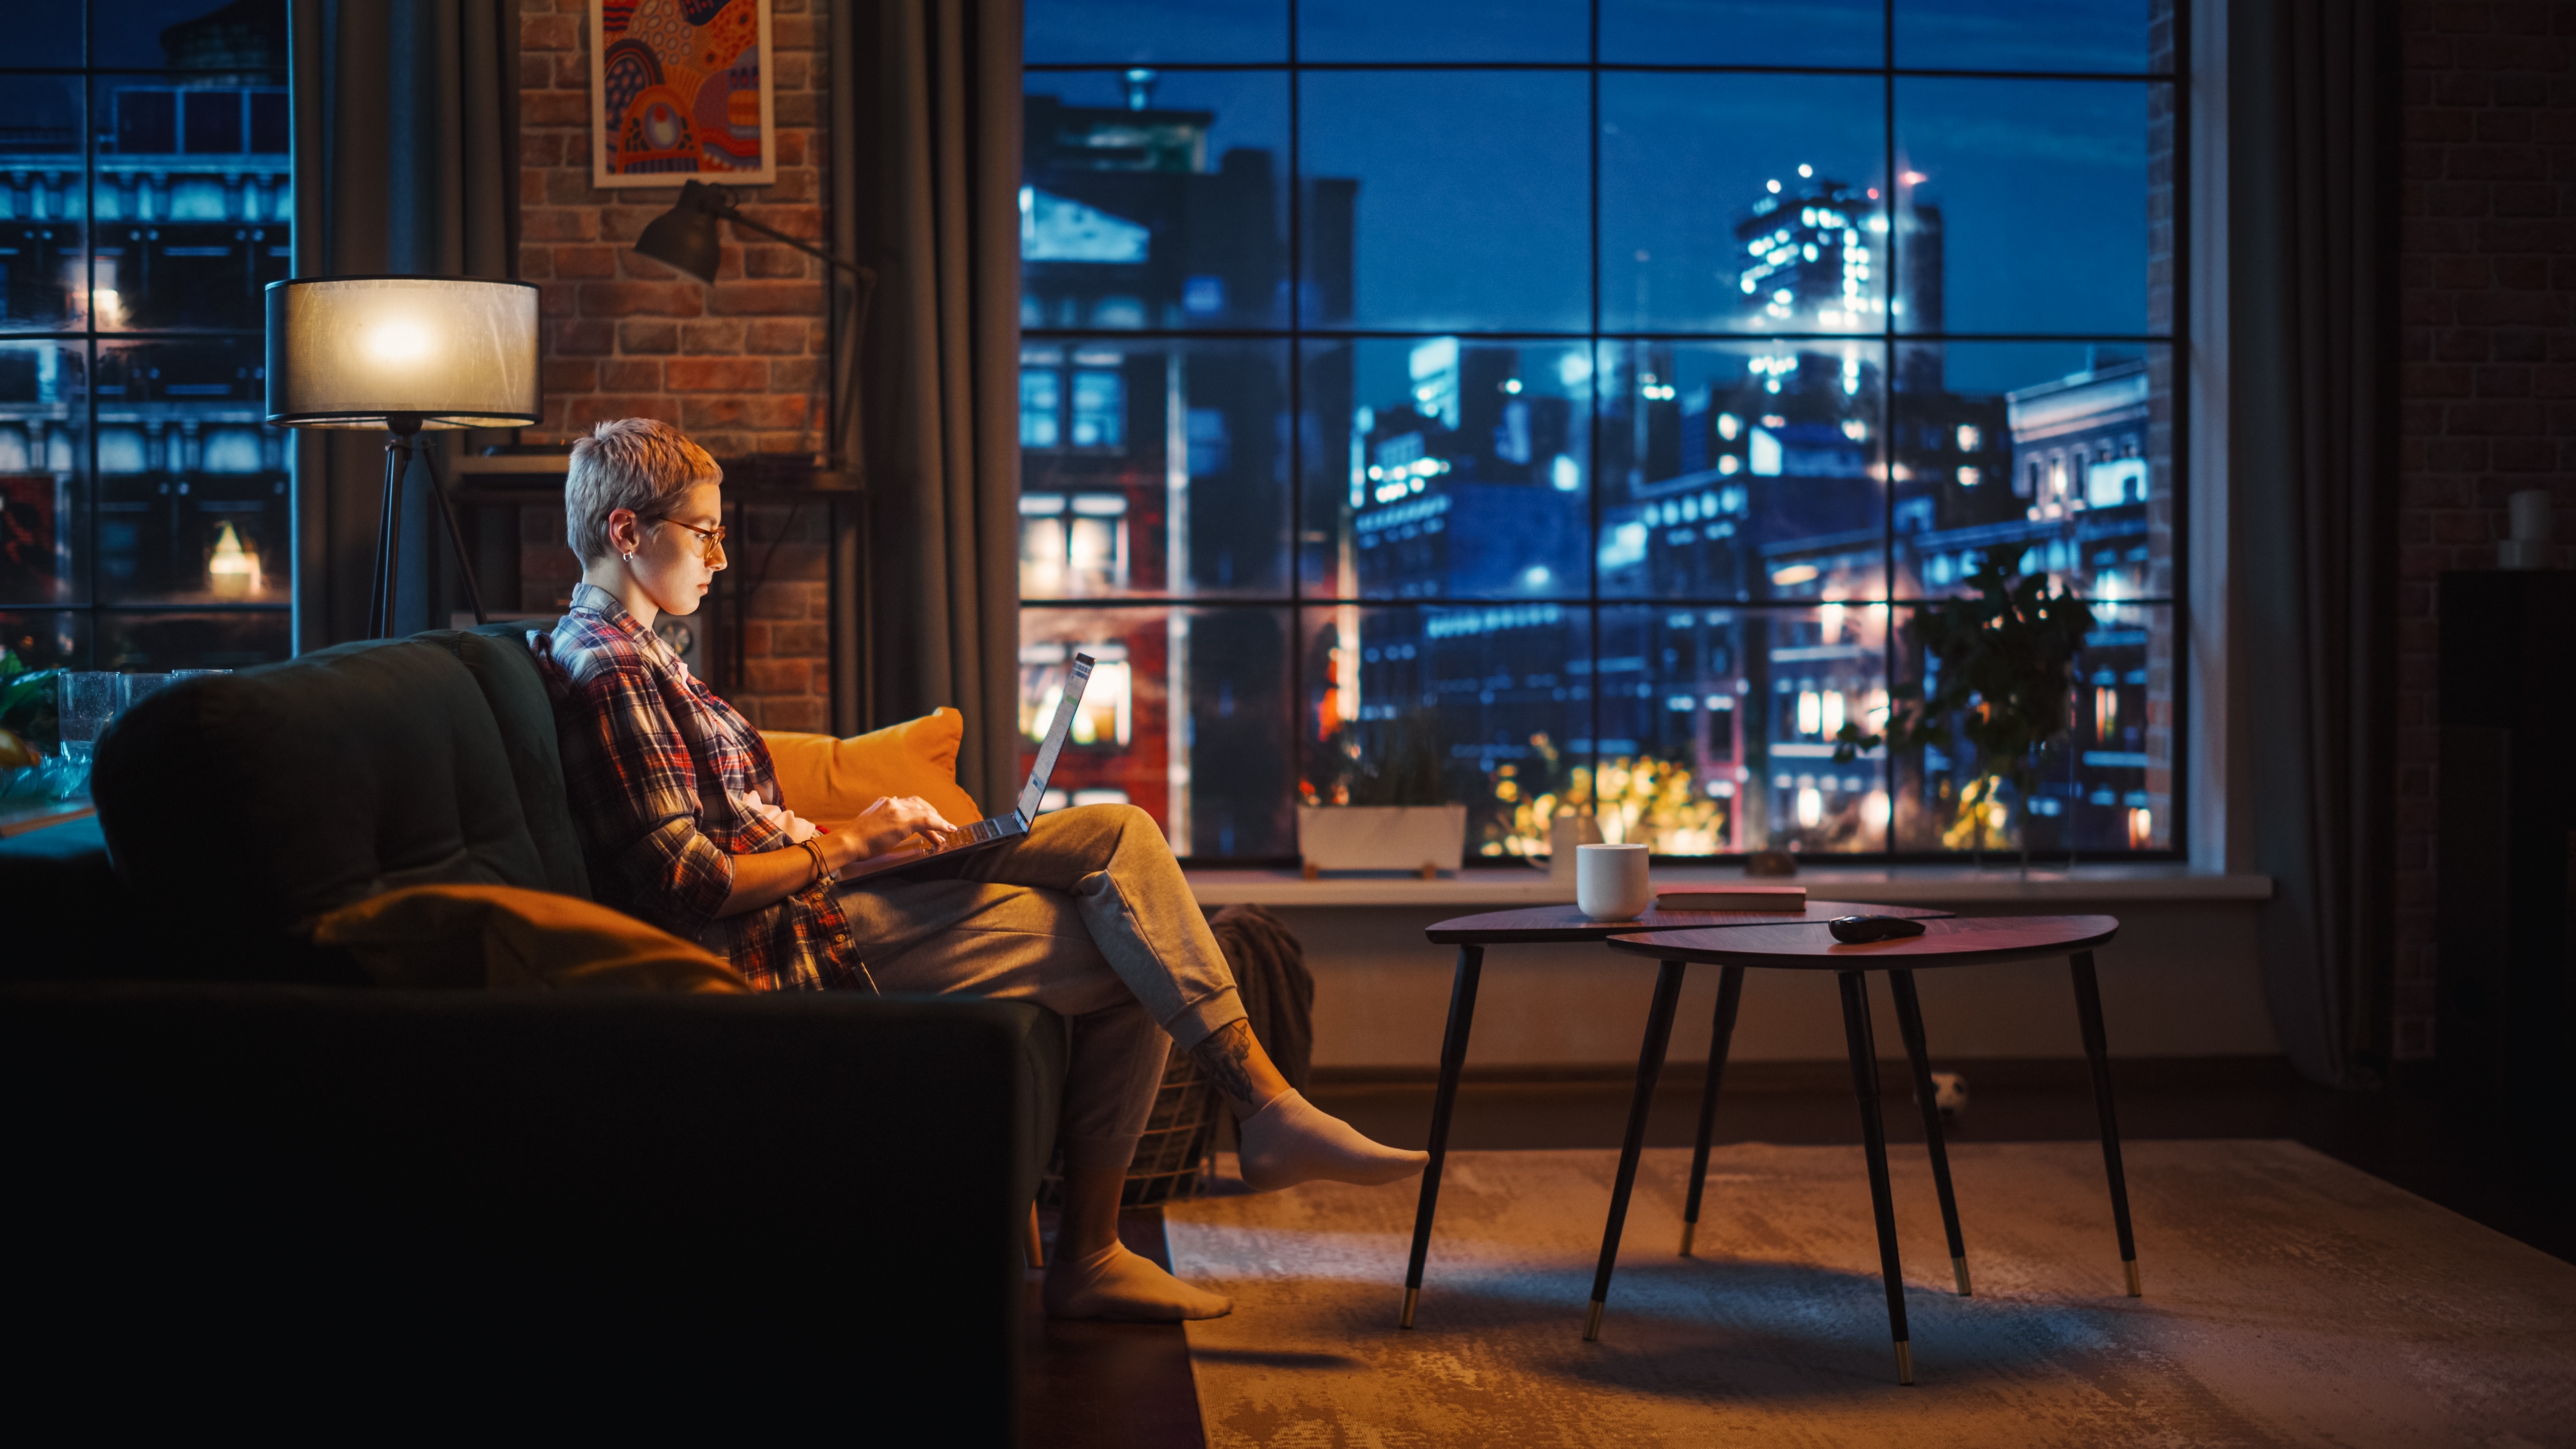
[(669, 784)]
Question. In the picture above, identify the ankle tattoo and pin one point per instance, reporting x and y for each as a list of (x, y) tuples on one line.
[(1225, 1056)]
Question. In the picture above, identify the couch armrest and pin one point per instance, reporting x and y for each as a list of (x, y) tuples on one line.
[(816, 1198), (77, 923)]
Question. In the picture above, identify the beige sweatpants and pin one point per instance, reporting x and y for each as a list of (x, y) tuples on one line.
[(1088, 916)]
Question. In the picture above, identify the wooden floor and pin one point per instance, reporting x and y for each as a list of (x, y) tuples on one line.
[(1108, 1385), (1130, 1385)]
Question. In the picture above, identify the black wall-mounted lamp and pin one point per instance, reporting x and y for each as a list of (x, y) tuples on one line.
[(688, 237)]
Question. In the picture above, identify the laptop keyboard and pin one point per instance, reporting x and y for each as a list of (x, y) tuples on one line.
[(983, 830)]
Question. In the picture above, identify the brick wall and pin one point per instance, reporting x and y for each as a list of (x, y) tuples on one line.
[(740, 364), (2487, 279)]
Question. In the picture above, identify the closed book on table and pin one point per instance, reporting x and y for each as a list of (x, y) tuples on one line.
[(1734, 898)]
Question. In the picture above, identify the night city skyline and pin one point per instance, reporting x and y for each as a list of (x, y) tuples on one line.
[(1603, 481)]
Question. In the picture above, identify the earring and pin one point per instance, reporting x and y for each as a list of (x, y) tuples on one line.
[(630, 558)]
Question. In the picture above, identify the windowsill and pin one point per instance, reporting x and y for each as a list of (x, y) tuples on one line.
[(1922, 885)]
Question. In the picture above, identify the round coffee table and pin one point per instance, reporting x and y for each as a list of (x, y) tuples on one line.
[(1539, 925), (1952, 942)]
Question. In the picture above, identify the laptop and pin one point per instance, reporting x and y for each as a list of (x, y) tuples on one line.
[(999, 828)]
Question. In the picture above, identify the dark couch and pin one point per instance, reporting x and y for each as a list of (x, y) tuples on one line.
[(222, 1139)]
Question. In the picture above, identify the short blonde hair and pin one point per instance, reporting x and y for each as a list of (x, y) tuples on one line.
[(638, 463)]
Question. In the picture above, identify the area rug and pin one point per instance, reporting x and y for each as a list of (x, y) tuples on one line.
[(2289, 1300)]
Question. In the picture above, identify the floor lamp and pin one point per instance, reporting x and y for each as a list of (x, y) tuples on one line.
[(403, 354), (690, 237)]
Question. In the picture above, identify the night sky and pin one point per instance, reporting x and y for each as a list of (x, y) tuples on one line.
[(48, 32), (1475, 185)]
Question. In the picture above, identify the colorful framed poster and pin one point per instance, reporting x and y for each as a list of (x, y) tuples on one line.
[(681, 90)]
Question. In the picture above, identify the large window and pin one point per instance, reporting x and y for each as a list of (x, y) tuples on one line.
[(144, 202), (1597, 388)]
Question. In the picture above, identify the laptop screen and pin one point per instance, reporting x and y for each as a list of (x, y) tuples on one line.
[(1032, 794)]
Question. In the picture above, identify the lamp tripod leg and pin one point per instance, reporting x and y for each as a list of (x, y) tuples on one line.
[(380, 599), (455, 536)]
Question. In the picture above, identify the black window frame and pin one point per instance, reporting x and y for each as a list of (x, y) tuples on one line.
[(82, 599), (1296, 332)]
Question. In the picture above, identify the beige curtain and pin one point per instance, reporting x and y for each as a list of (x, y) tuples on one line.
[(926, 174), (406, 141)]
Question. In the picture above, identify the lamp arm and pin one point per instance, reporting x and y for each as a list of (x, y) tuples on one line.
[(867, 276), (845, 403)]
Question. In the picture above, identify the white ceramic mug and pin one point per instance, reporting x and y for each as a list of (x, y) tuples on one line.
[(1610, 881)]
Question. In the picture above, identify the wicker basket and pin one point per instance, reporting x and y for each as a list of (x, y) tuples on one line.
[(1179, 1146)]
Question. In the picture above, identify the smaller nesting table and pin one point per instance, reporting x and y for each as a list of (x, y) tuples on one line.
[(1539, 925), (1953, 942)]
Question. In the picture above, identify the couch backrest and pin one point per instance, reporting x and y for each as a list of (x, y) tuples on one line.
[(497, 656), (254, 801)]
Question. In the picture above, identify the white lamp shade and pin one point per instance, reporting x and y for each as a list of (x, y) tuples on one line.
[(360, 352)]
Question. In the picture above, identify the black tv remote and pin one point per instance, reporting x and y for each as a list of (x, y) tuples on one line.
[(1857, 929)]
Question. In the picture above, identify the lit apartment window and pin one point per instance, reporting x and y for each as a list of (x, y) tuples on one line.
[(1041, 407), (1099, 409)]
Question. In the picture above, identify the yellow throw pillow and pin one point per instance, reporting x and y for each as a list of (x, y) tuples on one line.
[(828, 781), (502, 938)]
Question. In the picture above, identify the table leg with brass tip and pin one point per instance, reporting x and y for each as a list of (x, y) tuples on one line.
[(1453, 1060), (1960, 1265), (1873, 1132), (2097, 1051), (1650, 1065), (1904, 1362), (1721, 1032), (1036, 1246), (1592, 1322), (1918, 1058)]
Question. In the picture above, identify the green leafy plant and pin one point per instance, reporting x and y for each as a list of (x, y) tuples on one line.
[(27, 702), (2001, 664), (1382, 762)]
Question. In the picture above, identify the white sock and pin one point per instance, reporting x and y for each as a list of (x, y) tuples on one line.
[(1117, 1284), (1292, 1141)]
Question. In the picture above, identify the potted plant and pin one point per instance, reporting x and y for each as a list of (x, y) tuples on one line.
[(27, 728), (2001, 664), (1374, 800)]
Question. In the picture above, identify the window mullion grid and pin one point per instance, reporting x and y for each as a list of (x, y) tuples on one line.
[(1887, 365), (1600, 391), (2178, 446), (1355, 334), (1296, 422), (1300, 598), (87, 571), (1218, 67)]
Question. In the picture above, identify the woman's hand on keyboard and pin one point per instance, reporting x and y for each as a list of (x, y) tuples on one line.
[(890, 822)]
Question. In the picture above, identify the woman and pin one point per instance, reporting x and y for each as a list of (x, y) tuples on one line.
[(1088, 915)]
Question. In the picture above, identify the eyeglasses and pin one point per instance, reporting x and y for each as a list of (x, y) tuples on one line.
[(710, 540)]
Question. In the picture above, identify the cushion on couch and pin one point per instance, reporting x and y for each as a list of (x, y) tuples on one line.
[(829, 780), (249, 804), (503, 938)]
